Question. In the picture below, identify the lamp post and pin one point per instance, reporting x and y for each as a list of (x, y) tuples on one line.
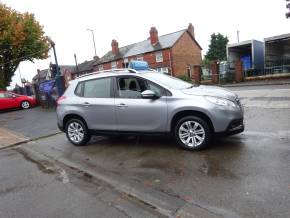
[(77, 68), (92, 31), (57, 76)]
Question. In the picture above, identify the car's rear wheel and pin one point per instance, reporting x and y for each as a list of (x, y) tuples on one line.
[(192, 133), (77, 132), (25, 104)]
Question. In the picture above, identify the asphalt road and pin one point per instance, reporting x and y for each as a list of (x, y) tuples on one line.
[(38, 188), (247, 175)]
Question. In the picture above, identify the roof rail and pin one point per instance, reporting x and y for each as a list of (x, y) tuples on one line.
[(103, 71), (114, 70)]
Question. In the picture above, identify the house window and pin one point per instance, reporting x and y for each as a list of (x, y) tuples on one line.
[(139, 58), (159, 56), (101, 67), (162, 70), (114, 65), (126, 63), (189, 72)]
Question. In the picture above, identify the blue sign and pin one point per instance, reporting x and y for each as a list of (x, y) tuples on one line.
[(139, 65), (47, 86)]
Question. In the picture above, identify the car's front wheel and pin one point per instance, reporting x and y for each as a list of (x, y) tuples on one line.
[(192, 133), (77, 132), (25, 104)]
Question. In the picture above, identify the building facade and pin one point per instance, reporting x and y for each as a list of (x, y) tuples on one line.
[(174, 53)]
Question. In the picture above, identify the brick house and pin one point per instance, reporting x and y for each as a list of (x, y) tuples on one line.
[(174, 53)]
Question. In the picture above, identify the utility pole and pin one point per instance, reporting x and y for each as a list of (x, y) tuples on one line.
[(57, 77), (77, 68), (238, 35), (92, 31), (288, 6)]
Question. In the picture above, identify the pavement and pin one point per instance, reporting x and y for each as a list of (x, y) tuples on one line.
[(270, 82), (246, 175)]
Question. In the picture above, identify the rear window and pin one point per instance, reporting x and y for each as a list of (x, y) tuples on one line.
[(79, 89)]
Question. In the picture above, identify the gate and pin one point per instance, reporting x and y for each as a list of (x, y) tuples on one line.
[(226, 72)]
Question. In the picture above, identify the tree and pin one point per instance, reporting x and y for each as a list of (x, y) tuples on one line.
[(217, 48), (21, 39)]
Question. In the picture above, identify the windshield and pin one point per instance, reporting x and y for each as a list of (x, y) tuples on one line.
[(169, 81)]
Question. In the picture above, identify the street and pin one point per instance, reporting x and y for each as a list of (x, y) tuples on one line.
[(246, 175)]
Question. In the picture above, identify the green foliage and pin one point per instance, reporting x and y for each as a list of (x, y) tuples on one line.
[(205, 62), (217, 48), (184, 78), (21, 39)]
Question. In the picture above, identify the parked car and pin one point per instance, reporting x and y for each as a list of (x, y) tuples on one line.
[(131, 102), (9, 100)]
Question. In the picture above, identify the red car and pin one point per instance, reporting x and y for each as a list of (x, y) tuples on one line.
[(11, 100)]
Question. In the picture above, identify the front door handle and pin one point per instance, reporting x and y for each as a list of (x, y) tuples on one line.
[(86, 104), (122, 105)]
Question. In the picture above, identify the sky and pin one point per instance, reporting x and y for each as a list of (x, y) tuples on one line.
[(129, 21)]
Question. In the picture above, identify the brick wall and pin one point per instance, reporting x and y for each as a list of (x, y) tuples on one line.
[(149, 57), (185, 52)]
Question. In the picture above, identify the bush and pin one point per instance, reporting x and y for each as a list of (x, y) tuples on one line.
[(184, 78)]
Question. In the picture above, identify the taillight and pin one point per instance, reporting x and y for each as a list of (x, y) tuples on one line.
[(61, 98)]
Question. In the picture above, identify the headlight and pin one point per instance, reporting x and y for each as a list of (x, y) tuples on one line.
[(220, 101)]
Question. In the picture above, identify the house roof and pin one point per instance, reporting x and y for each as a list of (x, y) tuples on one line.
[(280, 37), (86, 66), (164, 41), (43, 73)]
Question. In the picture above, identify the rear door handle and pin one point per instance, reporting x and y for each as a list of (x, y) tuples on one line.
[(122, 105), (86, 104)]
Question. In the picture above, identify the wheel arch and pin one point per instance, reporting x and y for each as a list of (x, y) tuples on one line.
[(180, 114), (73, 116)]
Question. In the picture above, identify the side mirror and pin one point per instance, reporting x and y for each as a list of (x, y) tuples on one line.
[(148, 94)]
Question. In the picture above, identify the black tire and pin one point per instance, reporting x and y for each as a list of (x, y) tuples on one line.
[(86, 135), (25, 104), (207, 133)]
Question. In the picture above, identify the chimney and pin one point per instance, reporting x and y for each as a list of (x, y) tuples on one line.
[(115, 47), (190, 29), (153, 36)]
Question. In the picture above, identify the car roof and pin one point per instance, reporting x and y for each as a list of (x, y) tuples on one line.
[(121, 72)]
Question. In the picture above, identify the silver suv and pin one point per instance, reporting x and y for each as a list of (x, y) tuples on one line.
[(130, 102)]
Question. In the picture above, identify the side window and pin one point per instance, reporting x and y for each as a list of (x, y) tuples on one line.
[(155, 88), (79, 89), (2, 95), (131, 87), (97, 88)]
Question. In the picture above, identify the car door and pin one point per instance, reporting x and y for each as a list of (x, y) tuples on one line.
[(7, 101), (3, 101), (97, 104), (136, 114)]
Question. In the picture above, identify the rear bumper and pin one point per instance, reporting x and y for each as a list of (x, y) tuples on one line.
[(235, 127)]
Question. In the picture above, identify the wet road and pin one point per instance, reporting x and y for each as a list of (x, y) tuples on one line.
[(247, 175), (32, 189)]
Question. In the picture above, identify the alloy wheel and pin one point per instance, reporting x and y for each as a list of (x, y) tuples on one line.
[(191, 133)]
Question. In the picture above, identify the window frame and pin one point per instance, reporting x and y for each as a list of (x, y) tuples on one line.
[(115, 63), (101, 67), (158, 57), (83, 87), (139, 58), (165, 92)]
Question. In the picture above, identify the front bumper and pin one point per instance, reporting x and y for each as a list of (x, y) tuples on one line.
[(235, 127)]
